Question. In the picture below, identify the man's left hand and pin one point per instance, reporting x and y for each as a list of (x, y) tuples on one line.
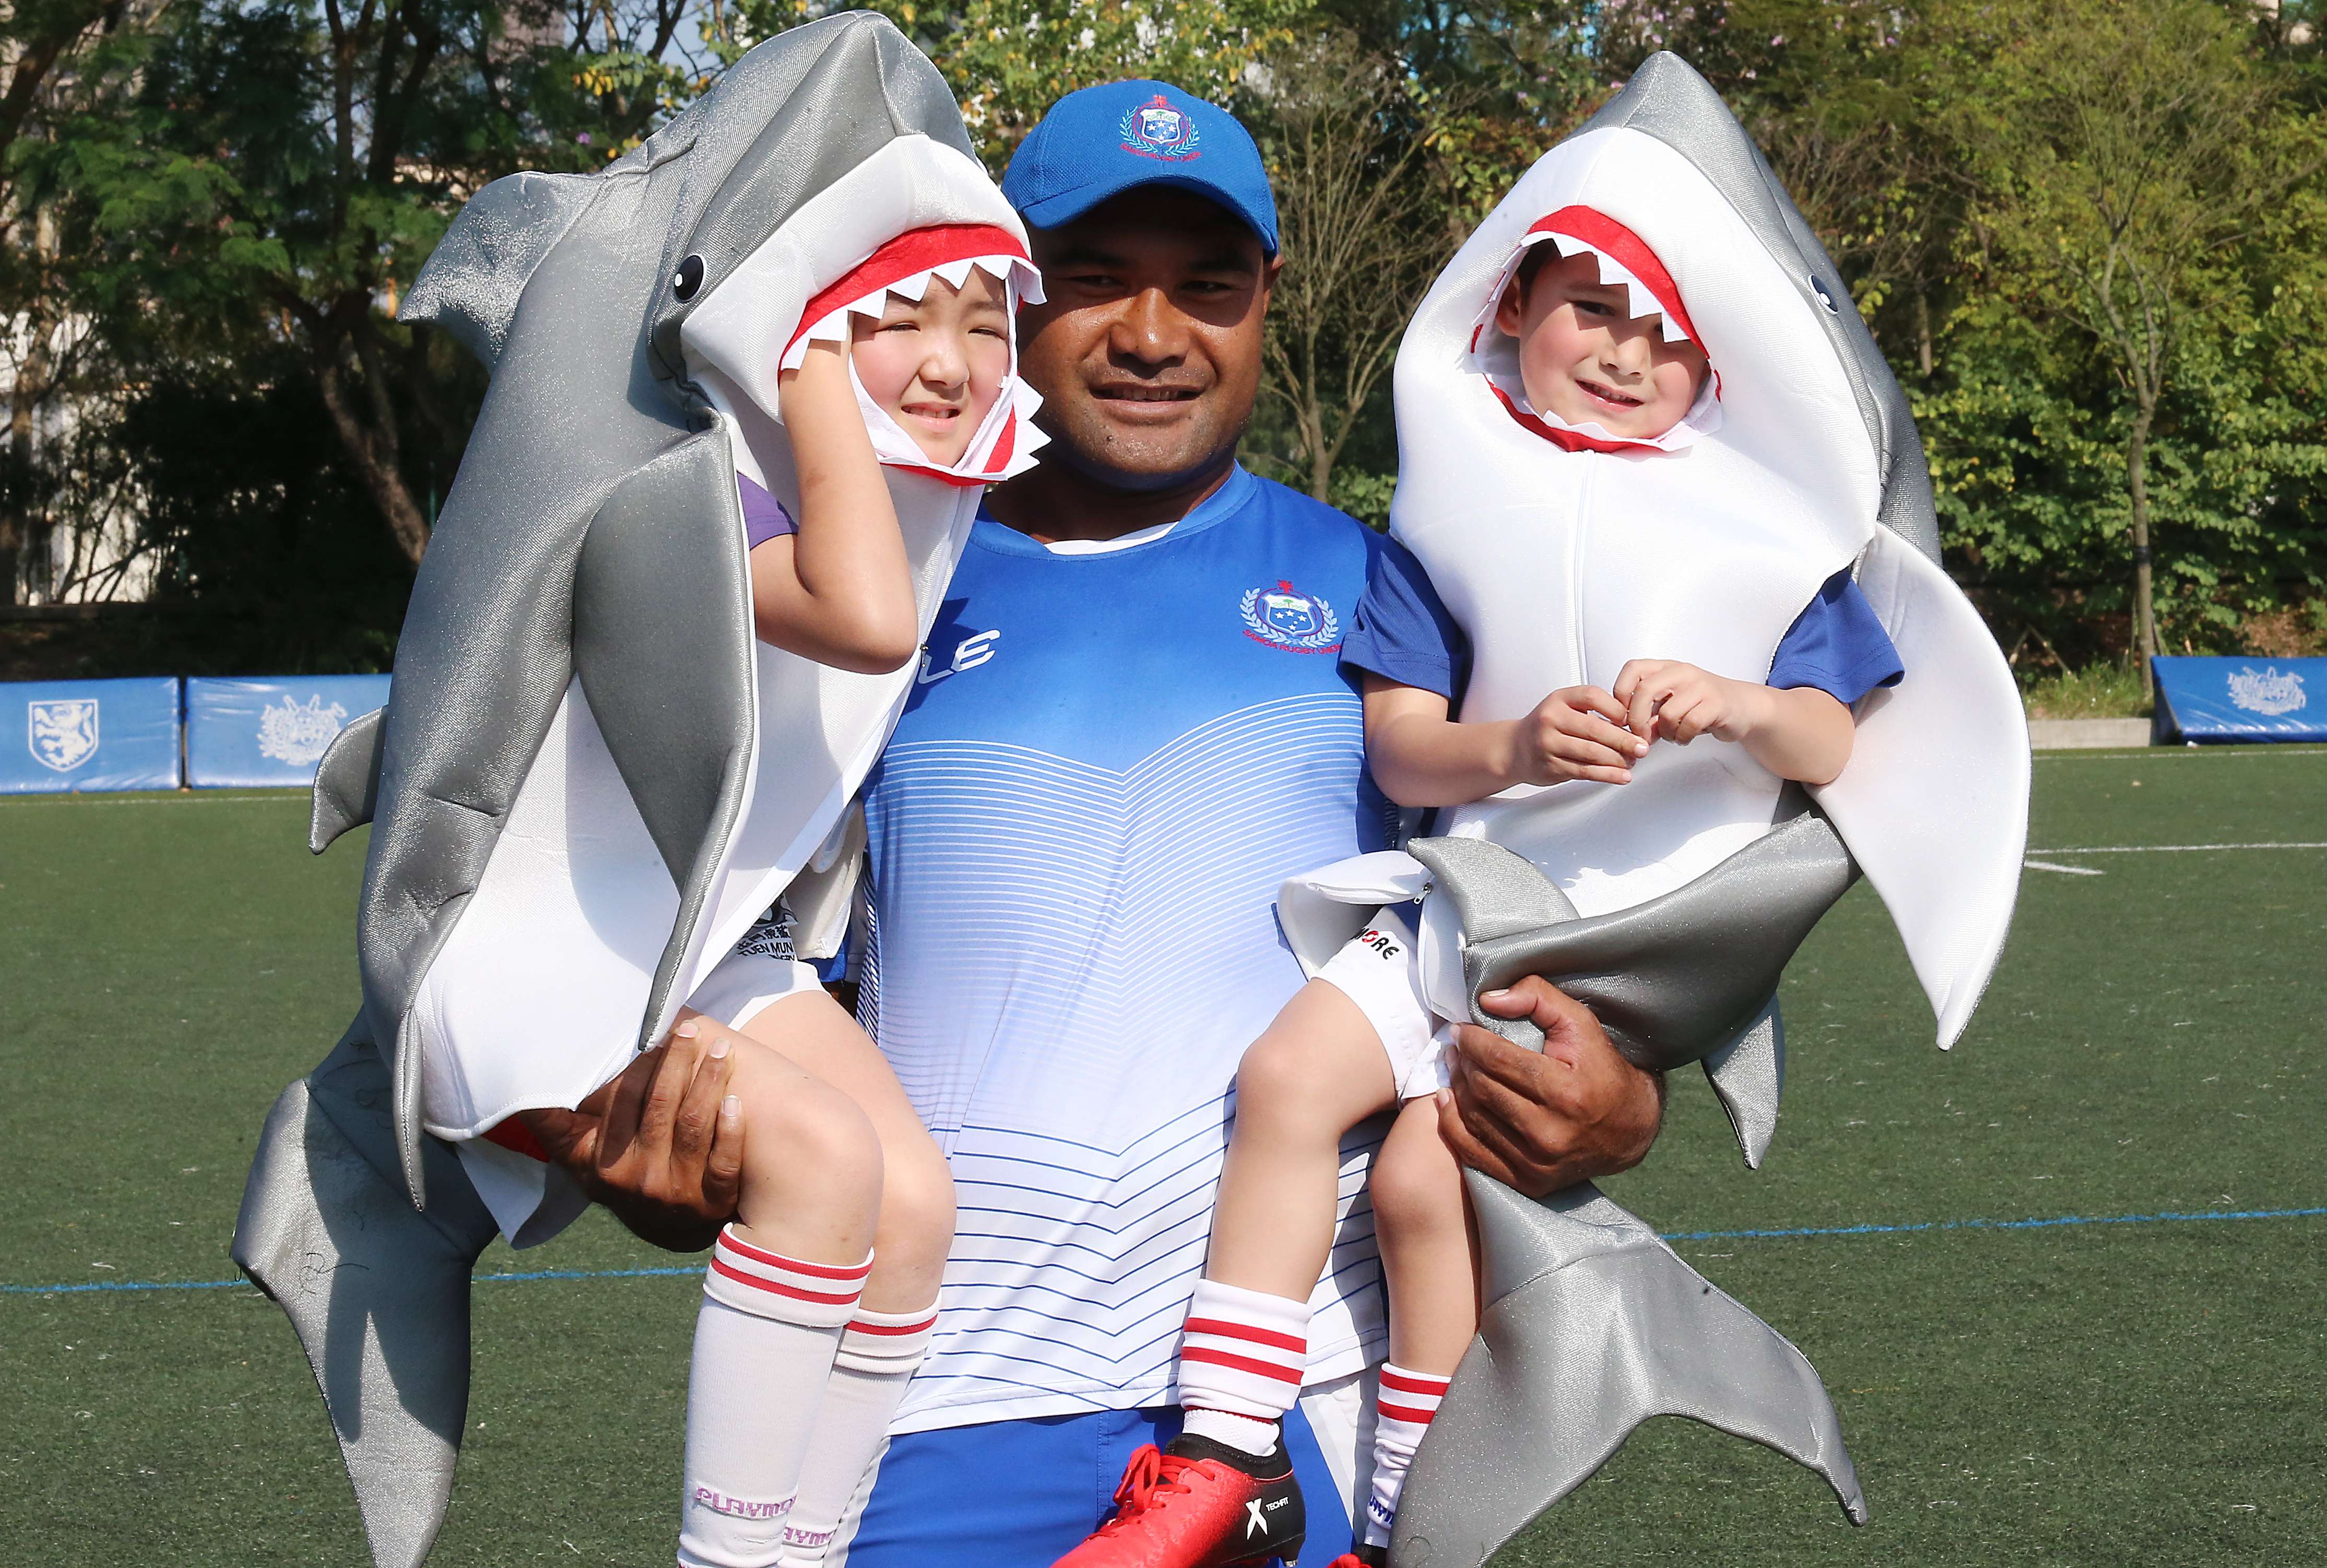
[(662, 1145), (1539, 1121)]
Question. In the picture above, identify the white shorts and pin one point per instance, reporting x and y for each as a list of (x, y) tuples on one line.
[(533, 1200), (1379, 970)]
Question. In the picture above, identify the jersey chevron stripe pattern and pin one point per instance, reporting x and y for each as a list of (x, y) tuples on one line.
[(1076, 838)]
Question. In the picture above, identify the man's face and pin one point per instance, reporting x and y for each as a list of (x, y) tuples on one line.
[(1147, 352)]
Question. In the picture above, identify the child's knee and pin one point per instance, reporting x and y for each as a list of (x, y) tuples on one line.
[(1277, 1080), (795, 1125), (917, 1207), (1417, 1185)]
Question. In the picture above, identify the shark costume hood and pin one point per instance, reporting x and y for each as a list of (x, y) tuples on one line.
[(591, 776), (1669, 905)]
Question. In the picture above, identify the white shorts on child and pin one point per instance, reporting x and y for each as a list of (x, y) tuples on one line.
[(533, 1200), (1381, 971)]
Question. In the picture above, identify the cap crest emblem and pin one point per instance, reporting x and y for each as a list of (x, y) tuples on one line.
[(1155, 129)]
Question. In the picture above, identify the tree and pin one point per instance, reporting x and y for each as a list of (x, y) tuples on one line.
[(1346, 141), (257, 174), (2125, 150)]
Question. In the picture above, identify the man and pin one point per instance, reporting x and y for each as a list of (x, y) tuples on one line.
[(1128, 728)]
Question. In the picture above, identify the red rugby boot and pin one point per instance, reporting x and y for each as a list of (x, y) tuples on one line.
[(1199, 1505), (1362, 1557)]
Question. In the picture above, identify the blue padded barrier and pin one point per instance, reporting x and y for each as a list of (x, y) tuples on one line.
[(2241, 699), (272, 731), (60, 736)]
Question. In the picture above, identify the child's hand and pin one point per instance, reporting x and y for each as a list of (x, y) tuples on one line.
[(1575, 732), (1663, 696), (822, 373)]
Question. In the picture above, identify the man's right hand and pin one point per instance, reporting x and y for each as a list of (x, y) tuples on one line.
[(662, 1145)]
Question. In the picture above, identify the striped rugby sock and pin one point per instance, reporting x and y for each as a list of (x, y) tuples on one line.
[(764, 1343), (879, 1352), (1407, 1401), (1243, 1358)]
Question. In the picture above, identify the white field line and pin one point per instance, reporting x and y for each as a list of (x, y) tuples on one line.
[(2165, 848), (2178, 753), (2066, 870)]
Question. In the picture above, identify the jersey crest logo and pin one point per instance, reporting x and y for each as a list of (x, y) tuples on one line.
[(299, 732), (1285, 617), (2267, 691), (1154, 129), (61, 734)]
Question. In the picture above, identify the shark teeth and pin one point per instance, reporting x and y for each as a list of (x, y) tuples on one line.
[(1016, 274), (1641, 301)]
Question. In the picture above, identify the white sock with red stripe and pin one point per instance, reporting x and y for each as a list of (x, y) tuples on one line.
[(764, 1343), (879, 1352), (1241, 1364), (1408, 1400)]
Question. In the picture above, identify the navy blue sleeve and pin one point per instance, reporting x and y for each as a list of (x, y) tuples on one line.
[(1837, 645), (1402, 632)]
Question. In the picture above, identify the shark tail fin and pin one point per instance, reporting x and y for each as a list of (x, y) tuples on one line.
[(1591, 1327), (473, 279), (377, 1291)]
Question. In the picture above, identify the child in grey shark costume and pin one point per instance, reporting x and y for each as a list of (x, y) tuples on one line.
[(747, 386)]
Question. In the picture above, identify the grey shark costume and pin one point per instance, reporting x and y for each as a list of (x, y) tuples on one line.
[(588, 760), (1670, 905)]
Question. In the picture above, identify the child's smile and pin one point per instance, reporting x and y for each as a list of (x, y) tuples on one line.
[(1582, 356), (935, 364)]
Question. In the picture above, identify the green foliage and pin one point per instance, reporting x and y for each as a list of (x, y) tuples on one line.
[(230, 196), (2098, 691)]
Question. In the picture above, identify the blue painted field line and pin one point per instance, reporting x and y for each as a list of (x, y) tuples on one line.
[(1993, 1225), (692, 1270)]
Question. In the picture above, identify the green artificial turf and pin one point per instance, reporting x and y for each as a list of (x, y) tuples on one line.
[(2089, 1395)]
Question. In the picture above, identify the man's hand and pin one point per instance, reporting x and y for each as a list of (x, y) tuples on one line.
[(662, 1145), (1539, 1122)]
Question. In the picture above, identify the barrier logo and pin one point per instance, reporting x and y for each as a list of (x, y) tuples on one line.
[(299, 732), (2267, 691), (61, 732), (1285, 617), (1154, 129)]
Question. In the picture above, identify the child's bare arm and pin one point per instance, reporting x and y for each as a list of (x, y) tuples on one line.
[(1420, 756), (838, 591), (1801, 732)]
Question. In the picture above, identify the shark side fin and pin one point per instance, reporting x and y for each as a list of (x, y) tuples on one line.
[(473, 280), (1677, 978), (377, 1292), (663, 645), (1591, 1327), (1748, 1075), (347, 782)]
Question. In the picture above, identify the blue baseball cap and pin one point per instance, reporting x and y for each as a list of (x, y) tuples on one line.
[(1101, 141)]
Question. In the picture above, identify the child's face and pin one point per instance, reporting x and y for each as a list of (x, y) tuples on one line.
[(1583, 360), (937, 364)]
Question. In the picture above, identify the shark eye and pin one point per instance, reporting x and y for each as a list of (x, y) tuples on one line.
[(1826, 296), (690, 277)]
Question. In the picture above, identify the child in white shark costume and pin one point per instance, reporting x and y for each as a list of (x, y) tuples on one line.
[(867, 382), (1643, 560)]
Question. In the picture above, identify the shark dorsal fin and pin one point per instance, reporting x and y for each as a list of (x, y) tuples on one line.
[(478, 271)]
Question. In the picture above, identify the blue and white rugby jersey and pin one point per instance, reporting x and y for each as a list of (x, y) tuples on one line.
[(1108, 764)]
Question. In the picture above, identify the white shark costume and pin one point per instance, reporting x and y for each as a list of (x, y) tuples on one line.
[(1671, 903), (591, 778), (1563, 551)]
